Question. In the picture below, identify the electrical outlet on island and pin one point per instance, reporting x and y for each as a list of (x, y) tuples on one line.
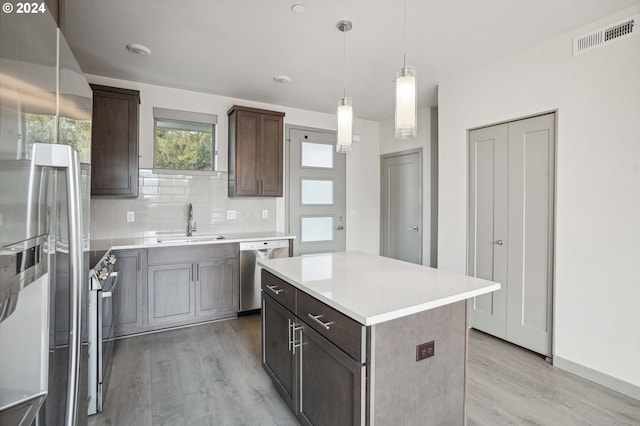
[(425, 350)]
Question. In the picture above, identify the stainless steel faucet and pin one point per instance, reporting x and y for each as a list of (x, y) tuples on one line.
[(191, 224)]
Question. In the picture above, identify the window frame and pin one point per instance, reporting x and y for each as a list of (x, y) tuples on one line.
[(193, 117)]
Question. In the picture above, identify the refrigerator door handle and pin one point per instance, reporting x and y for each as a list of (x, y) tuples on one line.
[(66, 157)]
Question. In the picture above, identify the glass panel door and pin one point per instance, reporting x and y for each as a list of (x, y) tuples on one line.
[(316, 192), (317, 202)]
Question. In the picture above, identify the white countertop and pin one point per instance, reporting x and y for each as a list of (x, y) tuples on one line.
[(152, 241), (373, 289)]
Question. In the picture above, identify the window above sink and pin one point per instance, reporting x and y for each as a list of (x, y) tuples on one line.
[(184, 141)]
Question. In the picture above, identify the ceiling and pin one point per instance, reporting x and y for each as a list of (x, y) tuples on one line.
[(235, 48)]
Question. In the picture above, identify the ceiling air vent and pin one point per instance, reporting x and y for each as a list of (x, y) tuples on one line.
[(622, 29)]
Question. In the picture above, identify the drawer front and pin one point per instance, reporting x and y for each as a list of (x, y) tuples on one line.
[(344, 332), (279, 290), (195, 253)]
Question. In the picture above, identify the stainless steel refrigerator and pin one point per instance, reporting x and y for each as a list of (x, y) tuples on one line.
[(45, 141)]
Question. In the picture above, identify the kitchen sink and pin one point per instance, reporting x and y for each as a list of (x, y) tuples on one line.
[(185, 239)]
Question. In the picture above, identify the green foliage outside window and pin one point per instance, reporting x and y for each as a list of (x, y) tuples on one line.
[(180, 149), (77, 133)]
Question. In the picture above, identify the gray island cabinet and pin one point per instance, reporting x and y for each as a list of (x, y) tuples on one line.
[(357, 339)]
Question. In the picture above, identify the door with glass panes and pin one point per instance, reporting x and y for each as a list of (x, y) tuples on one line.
[(317, 195)]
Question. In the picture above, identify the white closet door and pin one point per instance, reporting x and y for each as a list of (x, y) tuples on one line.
[(511, 193), (530, 248), (488, 225)]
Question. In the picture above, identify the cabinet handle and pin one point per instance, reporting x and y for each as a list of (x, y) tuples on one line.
[(316, 318), (293, 342), (289, 332), (275, 289), (138, 260), (197, 272)]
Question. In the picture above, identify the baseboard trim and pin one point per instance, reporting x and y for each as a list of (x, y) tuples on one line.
[(595, 376)]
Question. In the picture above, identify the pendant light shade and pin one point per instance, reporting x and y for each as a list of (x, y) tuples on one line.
[(345, 109), (406, 103), (345, 125), (406, 94)]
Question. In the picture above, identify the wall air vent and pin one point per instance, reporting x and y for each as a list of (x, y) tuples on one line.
[(616, 31)]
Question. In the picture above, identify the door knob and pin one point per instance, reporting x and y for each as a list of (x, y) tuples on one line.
[(340, 228), (413, 228), (499, 242)]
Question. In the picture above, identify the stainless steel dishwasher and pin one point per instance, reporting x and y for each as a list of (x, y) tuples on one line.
[(250, 252)]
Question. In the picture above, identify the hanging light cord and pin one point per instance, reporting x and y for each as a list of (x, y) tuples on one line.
[(344, 32), (404, 24)]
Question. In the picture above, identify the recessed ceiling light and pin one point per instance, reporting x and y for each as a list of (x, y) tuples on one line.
[(297, 8), (138, 49), (282, 79)]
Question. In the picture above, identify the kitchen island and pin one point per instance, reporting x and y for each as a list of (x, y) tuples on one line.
[(354, 338)]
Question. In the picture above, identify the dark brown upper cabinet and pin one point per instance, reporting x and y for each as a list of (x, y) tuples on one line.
[(255, 152), (114, 141)]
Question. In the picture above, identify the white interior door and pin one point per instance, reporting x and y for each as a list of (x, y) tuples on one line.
[(402, 206), (511, 173), (488, 225), (317, 192), (530, 247)]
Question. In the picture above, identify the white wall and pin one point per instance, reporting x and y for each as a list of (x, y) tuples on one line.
[(597, 96), (363, 189), (362, 227), (389, 144)]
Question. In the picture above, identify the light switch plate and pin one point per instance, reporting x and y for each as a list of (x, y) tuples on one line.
[(131, 216), (231, 215), (265, 214)]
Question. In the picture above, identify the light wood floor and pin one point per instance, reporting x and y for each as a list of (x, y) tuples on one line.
[(211, 375)]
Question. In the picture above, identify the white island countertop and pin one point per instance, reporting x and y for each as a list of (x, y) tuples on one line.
[(373, 289)]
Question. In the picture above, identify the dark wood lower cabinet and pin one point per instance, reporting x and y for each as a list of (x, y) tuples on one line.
[(277, 354), (327, 381), (319, 381), (332, 384)]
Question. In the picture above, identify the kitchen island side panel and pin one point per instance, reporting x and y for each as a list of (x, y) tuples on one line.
[(426, 392)]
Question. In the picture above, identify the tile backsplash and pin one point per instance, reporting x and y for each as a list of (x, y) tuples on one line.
[(162, 207)]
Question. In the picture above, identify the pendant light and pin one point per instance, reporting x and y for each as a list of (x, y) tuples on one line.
[(345, 110), (406, 99)]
